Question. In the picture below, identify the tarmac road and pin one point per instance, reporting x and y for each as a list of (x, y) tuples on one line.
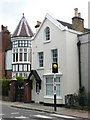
[(12, 113)]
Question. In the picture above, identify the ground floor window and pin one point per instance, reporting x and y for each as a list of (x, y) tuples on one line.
[(49, 86)]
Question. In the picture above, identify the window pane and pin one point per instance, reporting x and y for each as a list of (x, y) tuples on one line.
[(25, 67), (20, 57), (20, 74), (13, 57), (28, 56), (25, 50), (49, 89), (41, 59), (28, 67), (49, 86), (20, 67), (58, 89), (20, 50), (25, 56), (16, 57), (54, 56), (16, 67), (47, 33)]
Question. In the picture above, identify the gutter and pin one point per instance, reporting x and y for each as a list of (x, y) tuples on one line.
[(79, 56)]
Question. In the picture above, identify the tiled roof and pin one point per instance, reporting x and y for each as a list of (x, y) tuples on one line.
[(23, 29), (70, 25)]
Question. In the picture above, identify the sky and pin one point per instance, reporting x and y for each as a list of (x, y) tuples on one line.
[(11, 11)]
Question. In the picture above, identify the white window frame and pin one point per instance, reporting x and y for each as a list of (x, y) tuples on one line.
[(54, 57), (46, 40), (39, 66), (47, 33), (51, 75)]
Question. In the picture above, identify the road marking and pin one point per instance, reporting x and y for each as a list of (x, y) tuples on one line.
[(15, 113), (63, 116), (2, 114), (42, 116), (21, 117)]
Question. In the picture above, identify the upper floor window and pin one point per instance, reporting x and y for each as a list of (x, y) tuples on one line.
[(24, 43), (15, 44), (40, 56), (21, 43), (47, 33), (54, 56)]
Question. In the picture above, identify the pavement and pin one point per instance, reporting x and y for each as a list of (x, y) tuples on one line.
[(59, 110)]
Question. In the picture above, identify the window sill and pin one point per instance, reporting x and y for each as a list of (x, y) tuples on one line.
[(48, 41), (52, 97), (40, 68)]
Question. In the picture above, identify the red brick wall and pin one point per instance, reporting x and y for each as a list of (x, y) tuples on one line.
[(4, 42)]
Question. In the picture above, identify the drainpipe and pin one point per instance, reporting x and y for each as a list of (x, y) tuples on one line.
[(79, 56)]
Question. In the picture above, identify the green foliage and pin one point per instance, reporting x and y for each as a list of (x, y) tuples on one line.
[(20, 80), (5, 86), (82, 92), (82, 96)]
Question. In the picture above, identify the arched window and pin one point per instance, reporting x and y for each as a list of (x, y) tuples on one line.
[(47, 33)]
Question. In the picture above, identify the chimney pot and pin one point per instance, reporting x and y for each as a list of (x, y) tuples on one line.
[(79, 15), (38, 24), (76, 12)]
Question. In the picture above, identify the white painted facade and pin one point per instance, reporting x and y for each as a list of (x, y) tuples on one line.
[(8, 62), (65, 41)]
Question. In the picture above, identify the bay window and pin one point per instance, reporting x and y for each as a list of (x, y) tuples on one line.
[(49, 86)]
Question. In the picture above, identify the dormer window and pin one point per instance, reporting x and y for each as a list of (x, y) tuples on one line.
[(47, 33)]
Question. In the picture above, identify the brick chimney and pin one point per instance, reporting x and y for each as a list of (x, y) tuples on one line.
[(77, 21), (5, 36)]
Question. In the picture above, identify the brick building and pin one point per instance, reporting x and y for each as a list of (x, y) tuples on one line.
[(4, 43)]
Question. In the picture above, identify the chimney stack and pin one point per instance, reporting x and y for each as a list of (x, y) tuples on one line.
[(77, 21)]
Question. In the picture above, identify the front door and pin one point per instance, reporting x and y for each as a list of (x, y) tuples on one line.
[(37, 93)]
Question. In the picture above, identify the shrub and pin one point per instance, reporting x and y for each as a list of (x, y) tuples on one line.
[(5, 86), (20, 80), (82, 96)]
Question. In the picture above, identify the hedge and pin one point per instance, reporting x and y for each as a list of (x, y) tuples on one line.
[(5, 86)]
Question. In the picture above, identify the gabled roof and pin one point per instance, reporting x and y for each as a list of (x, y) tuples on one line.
[(23, 29), (64, 26), (37, 77)]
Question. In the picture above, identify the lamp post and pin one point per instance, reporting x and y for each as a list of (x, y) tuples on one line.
[(54, 70), (54, 92)]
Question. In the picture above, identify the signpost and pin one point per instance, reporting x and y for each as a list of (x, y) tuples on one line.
[(54, 70)]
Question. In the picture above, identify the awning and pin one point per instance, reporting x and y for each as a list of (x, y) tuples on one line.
[(37, 78)]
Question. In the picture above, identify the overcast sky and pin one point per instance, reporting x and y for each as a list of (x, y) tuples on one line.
[(11, 11)]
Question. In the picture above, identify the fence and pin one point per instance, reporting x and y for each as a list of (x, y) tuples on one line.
[(75, 101)]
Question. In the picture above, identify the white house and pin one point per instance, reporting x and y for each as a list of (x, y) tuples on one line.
[(56, 41)]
